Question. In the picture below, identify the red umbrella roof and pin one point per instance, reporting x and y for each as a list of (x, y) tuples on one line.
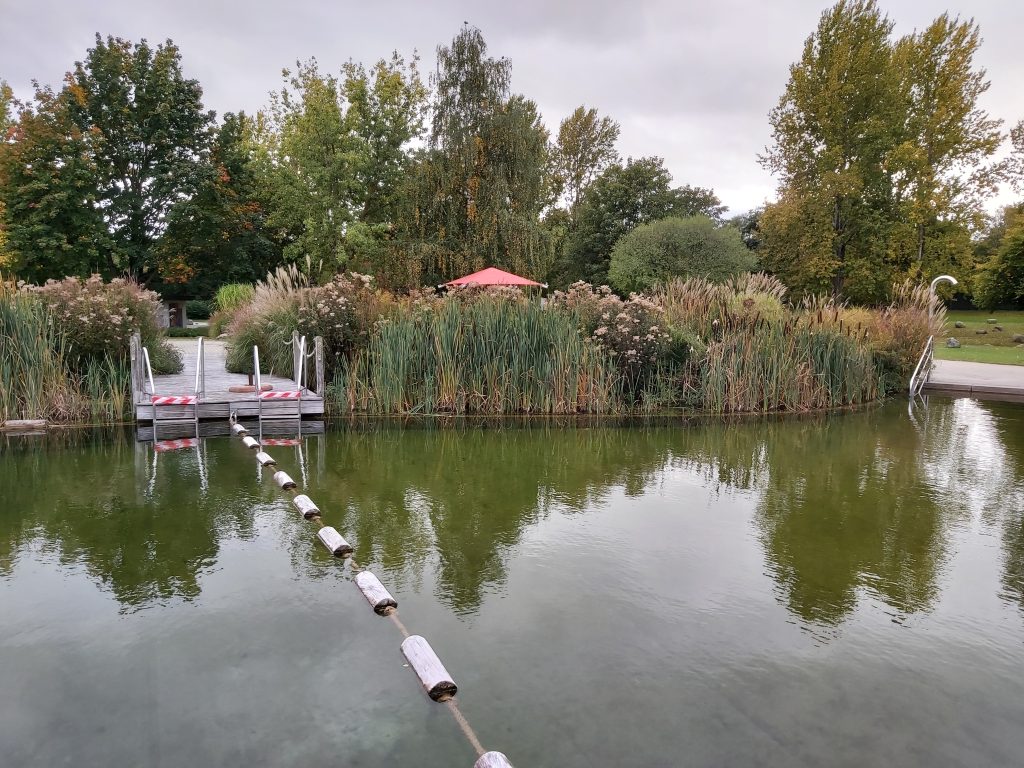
[(493, 276)]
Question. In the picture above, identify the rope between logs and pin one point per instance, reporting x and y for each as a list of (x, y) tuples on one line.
[(392, 613)]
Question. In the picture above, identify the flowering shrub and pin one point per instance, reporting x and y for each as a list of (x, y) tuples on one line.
[(96, 318), (632, 331), (342, 312)]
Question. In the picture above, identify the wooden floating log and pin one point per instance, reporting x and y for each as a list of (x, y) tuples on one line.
[(265, 459), (17, 425), (250, 442), (492, 760), (281, 478), (375, 593), (334, 542), (306, 506), (435, 678), (238, 429)]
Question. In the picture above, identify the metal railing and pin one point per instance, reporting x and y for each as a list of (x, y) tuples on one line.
[(298, 368), (923, 369)]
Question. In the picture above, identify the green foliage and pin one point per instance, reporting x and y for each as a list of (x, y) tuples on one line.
[(334, 156), (49, 194), (37, 377), (219, 234), (619, 200), (148, 136), (490, 355), (677, 247), (267, 321), (199, 309), (884, 156), (1000, 280), (96, 319), (584, 148), (232, 296), (476, 193), (187, 333)]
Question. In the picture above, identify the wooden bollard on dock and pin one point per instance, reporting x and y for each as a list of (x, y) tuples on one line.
[(435, 678), (334, 542), (283, 479), (265, 459), (375, 593), (306, 506), (238, 429), (250, 442), (492, 760)]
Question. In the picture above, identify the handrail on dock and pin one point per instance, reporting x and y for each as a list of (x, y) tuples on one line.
[(923, 369)]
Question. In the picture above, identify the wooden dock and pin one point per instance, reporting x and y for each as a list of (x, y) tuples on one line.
[(218, 402)]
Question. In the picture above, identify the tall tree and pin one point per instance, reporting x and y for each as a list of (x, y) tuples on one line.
[(6, 123), (1000, 279), (949, 143), (148, 138), (482, 183), (219, 234), (387, 108), (335, 152), (49, 207), (311, 162), (584, 148), (619, 200), (833, 128)]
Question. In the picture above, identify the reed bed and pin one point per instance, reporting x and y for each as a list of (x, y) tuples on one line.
[(39, 379), (487, 356)]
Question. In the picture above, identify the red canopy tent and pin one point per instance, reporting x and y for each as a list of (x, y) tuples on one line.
[(494, 276)]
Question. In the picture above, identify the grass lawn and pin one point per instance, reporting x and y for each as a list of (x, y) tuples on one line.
[(991, 347)]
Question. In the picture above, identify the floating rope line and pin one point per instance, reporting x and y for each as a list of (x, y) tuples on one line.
[(391, 611)]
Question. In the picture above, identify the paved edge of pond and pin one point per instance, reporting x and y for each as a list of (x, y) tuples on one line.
[(962, 377)]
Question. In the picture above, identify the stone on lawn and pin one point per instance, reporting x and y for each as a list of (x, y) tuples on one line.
[(981, 332), (1018, 338), (991, 321), (959, 324), (952, 343)]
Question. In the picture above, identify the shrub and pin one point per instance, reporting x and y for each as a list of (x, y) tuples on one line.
[(267, 321), (677, 247), (233, 296), (199, 309), (96, 319), (342, 313), (187, 333)]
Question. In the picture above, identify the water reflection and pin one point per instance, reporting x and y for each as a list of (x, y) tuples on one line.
[(844, 507), (145, 532)]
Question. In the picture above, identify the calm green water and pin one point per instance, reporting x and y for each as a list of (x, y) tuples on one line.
[(843, 591)]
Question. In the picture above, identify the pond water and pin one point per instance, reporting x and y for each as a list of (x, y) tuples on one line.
[(842, 591)]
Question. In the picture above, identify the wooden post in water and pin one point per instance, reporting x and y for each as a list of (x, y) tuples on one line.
[(134, 363), (375, 593), (435, 678), (318, 359)]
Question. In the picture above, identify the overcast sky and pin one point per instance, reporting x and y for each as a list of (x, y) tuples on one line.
[(692, 82)]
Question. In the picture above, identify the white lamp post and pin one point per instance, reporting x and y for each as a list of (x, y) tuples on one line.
[(940, 279)]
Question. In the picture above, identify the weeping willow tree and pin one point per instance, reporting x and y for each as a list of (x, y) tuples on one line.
[(481, 183)]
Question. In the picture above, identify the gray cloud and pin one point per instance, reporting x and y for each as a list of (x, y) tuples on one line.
[(689, 81)]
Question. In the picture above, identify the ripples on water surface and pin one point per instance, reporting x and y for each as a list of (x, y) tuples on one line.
[(830, 591)]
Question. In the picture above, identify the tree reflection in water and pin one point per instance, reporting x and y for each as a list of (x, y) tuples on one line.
[(844, 505)]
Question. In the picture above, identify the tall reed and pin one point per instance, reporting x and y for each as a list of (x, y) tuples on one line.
[(485, 356), (34, 379)]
